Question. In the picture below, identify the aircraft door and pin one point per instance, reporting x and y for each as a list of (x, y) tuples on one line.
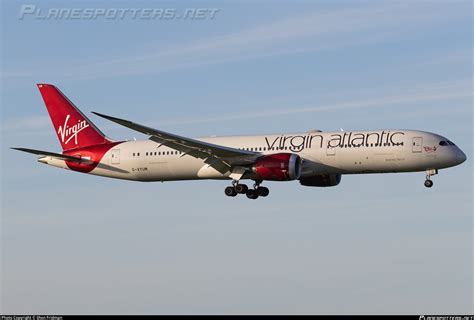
[(417, 144), (330, 151), (115, 155)]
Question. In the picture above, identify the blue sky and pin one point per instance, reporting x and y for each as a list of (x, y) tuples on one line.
[(73, 243)]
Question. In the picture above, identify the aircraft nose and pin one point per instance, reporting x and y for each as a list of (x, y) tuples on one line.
[(461, 156)]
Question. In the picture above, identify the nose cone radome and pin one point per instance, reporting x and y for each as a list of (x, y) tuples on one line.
[(461, 156)]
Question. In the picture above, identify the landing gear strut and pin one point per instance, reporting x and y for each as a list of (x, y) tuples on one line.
[(257, 191), (428, 181), (254, 193), (235, 189), (261, 191)]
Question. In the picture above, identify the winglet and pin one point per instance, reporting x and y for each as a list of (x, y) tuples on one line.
[(114, 119), (103, 115), (127, 123)]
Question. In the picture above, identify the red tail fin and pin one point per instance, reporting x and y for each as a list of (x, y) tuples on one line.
[(73, 128)]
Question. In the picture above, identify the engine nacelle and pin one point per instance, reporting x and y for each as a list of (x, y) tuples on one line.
[(322, 180), (278, 167)]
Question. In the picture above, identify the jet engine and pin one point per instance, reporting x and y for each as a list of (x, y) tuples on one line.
[(278, 167), (322, 180)]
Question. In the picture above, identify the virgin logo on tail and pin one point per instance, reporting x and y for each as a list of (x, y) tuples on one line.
[(68, 132)]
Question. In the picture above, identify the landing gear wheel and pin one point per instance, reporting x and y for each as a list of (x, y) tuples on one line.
[(230, 192), (241, 188), (263, 191), (252, 194), (429, 173)]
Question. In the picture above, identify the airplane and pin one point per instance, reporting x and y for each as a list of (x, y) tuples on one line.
[(314, 158)]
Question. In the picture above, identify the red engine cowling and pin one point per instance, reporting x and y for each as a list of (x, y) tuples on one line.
[(278, 167), (322, 180)]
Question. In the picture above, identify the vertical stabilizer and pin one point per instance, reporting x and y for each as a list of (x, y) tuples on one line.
[(73, 128)]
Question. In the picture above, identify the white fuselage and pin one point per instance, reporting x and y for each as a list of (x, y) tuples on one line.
[(322, 153)]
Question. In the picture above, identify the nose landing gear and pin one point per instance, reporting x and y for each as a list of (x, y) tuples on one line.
[(428, 181)]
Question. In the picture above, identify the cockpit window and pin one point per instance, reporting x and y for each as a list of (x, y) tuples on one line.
[(446, 143)]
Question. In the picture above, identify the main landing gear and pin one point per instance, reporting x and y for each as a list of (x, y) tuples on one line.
[(254, 193), (429, 173)]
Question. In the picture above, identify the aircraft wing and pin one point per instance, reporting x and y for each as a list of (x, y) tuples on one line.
[(51, 154), (221, 158)]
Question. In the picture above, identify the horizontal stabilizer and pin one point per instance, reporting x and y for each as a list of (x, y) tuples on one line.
[(51, 154)]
